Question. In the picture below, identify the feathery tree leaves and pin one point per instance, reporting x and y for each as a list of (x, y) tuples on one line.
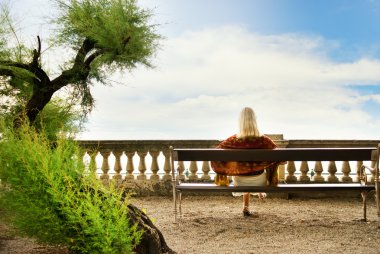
[(101, 36)]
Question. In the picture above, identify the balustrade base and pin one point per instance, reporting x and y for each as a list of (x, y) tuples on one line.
[(154, 178), (304, 179), (334, 179), (346, 179), (149, 187), (141, 177), (166, 178)]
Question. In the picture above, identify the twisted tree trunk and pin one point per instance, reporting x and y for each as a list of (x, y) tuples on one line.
[(152, 241)]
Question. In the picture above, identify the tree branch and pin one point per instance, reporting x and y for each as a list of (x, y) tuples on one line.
[(36, 54), (6, 72), (92, 57), (101, 51), (41, 76), (86, 47)]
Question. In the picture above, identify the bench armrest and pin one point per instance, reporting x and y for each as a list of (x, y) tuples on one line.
[(363, 175)]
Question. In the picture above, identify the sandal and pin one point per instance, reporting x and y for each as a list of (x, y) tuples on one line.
[(250, 214), (262, 196)]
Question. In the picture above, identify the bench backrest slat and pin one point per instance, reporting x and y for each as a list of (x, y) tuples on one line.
[(279, 154)]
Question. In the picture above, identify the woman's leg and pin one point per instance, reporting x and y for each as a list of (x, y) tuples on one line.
[(246, 202)]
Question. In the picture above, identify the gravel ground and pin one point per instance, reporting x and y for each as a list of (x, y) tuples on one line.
[(214, 224)]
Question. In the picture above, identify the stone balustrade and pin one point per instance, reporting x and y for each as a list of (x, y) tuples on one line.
[(145, 164)]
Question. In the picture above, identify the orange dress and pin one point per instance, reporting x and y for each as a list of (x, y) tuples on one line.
[(235, 168)]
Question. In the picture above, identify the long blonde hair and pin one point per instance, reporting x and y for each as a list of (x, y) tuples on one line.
[(247, 124)]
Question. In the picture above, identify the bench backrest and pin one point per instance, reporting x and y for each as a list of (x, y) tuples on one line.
[(279, 154)]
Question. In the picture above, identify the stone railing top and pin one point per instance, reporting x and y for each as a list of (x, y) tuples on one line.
[(126, 145)]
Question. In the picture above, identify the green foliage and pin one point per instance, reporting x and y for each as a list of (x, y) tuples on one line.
[(59, 117), (51, 196), (99, 37), (118, 27), (4, 51), (11, 47)]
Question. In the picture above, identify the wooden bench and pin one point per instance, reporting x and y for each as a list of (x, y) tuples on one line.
[(281, 154)]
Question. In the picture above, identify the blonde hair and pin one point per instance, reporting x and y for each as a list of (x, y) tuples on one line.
[(247, 124)]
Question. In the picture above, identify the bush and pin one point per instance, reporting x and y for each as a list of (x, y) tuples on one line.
[(51, 197)]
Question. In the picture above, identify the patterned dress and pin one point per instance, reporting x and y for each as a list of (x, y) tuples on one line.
[(234, 168)]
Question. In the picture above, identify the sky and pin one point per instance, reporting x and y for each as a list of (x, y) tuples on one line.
[(309, 69)]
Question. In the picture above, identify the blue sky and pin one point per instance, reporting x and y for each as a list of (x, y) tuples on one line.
[(310, 69), (354, 24)]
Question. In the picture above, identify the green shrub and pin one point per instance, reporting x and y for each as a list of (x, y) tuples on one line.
[(51, 196)]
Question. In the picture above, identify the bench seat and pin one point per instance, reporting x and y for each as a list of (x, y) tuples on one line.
[(211, 187)]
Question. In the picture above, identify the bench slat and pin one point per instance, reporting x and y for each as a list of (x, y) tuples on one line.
[(209, 187), (279, 154)]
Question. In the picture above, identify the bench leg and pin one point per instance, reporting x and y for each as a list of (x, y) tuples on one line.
[(377, 196), (364, 197), (180, 204), (175, 204), (177, 198)]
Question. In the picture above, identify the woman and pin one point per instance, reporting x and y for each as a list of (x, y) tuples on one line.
[(247, 173)]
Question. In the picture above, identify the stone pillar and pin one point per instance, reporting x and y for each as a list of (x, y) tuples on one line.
[(105, 165), (82, 153), (291, 169), (281, 173), (346, 172), (281, 143), (206, 169), (332, 170), (154, 167), (193, 171), (318, 169), (167, 169), (181, 170), (304, 168), (92, 167), (130, 167), (117, 166), (358, 168), (373, 174), (142, 165)]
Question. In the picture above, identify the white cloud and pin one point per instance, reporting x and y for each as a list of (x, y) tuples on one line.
[(203, 79)]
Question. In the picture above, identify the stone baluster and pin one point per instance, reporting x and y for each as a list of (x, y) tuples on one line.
[(193, 171), (281, 173), (92, 165), (142, 165), (373, 174), (167, 169), (117, 166), (154, 167), (318, 169), (82, 153), (105, 165), (332, 170), (206, 169), (358, 168), (304, 168), (291, 169), (181, 170), (130, 168), (346, 169)]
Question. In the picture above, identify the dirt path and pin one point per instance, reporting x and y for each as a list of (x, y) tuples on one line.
[(216, 225)]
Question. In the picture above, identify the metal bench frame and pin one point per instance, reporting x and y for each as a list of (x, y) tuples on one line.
[(280, 154)]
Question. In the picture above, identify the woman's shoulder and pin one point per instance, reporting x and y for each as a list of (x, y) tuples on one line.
[(261, 142), (268, 141), (230, 142), (235, 141)]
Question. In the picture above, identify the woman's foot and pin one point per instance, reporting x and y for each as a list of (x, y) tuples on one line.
[(262, 196), (247, 213)]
